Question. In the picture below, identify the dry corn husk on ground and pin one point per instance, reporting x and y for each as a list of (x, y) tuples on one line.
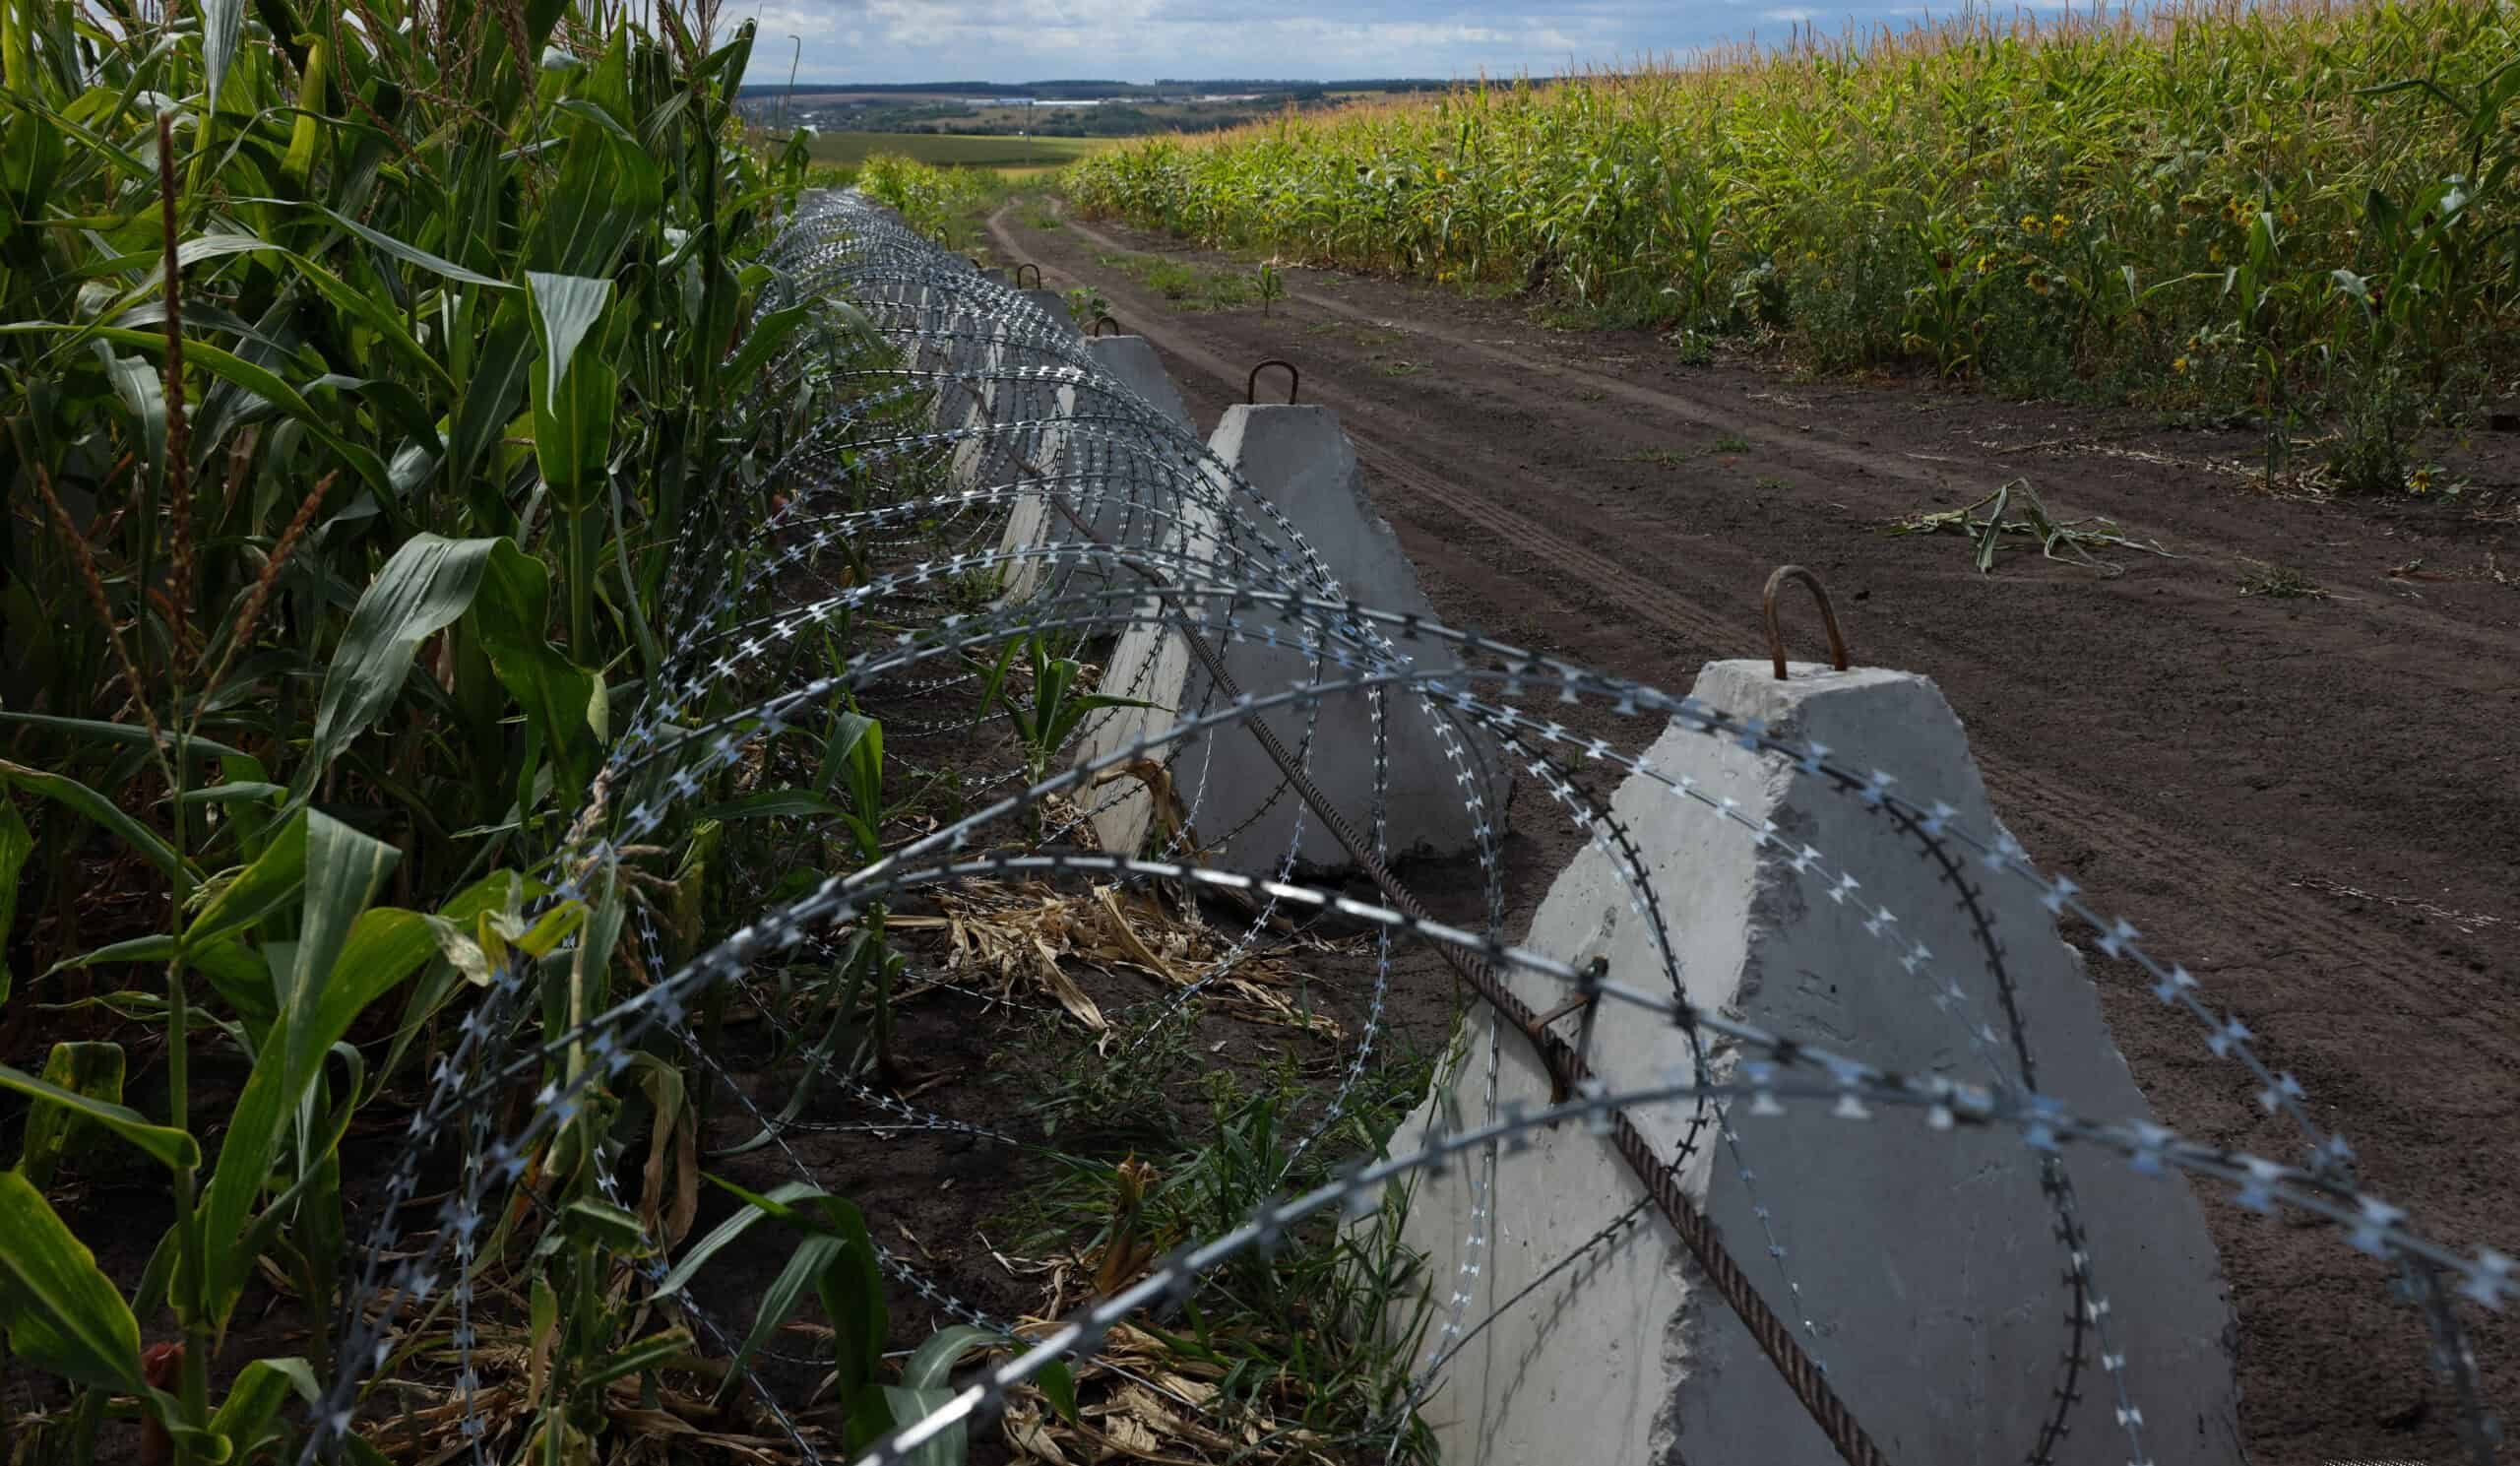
[(1026, 935)]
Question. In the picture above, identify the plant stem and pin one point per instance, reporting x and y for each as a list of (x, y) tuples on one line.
[(584, 530), (188, 1297)]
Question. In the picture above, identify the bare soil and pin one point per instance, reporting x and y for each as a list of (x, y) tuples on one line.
[(2310, 801)]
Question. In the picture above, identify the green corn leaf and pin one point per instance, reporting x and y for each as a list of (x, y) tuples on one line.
[(409, 254), (238, 974), (1058, 1385), (613, 1229), (250, 792), (80, 798), (785, 1291), (428, 583), (60, 1311), (271, 882), (513, 607), (906, 1407), (343, 870), (607, 187), (54, 1132), (344, 959), (231, 369), (697, 1255), (572, 432), (220, 22), (931, 1366), (565, 308), (262, 1389), (574, 396), (852, 1287), (762, 340), (167, 1146), (143, 389), (132, 735), (500, 368)]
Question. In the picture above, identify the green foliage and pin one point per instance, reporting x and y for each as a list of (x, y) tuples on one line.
[(2255, 209), (56, 1309), (943, 204), (1050, 714), (344, 454)]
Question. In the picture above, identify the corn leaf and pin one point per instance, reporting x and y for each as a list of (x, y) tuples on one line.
[(512, 608), (53, 1133), (428, 583), (167, 1146), (80, 798), (59, 1310)]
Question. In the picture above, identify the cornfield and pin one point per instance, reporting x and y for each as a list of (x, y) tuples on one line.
[(2207, 205), (508, 602)]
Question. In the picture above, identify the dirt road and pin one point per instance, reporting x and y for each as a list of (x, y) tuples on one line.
[(2313, 802)]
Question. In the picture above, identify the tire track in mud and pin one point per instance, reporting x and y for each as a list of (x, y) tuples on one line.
[(2273, 929)]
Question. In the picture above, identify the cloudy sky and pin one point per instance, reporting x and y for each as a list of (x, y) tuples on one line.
[(1016, 41)]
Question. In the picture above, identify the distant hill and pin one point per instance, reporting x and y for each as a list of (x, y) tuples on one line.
[(1087, 89)]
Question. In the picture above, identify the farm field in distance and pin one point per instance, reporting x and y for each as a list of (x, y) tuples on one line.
[(850, 150)]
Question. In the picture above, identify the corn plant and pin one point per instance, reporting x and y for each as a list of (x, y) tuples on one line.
[(1051, 712), (2057, 207), (1267, 284), (354, 385)]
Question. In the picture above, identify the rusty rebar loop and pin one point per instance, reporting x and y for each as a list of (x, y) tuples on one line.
[(1828, 618), (1101, 321), (1019, 274), (1251, 383)]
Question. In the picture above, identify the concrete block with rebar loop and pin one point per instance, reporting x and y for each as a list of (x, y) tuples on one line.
[(1949, 1282), (1361, 749)]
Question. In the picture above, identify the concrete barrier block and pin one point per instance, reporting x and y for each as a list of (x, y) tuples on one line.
[(1092, 488), (1132, 361), (1299, 460), (1926, 1262), (1054, 305)]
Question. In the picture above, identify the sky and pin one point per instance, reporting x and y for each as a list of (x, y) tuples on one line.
[(1140, 40)]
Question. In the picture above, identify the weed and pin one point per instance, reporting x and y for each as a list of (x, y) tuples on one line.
[(2071, 540), (1087, 304), (1401, 368), (1661, 458), (2278, 583), (1731, 442), (1769, 483)]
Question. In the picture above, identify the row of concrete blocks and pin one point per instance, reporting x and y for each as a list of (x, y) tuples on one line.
[(1274, 480), (1922, 1268)]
